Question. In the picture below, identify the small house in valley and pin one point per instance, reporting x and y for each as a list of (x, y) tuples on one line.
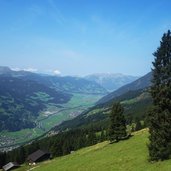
[(38, 156), (10, 166)]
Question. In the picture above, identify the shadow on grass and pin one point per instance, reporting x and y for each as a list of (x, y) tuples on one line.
[(122, 139)]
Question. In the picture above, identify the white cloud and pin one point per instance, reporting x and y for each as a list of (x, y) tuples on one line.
[(16, 69), (31, 69), (25, 69), (57, 72)]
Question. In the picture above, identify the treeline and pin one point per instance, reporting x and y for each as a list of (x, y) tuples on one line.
[(66, 142), (61, 144)]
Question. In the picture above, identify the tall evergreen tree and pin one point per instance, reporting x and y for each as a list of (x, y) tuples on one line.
[(160, 114), (66, 147), (102, 136), (138, 126), (92, 139), (2, 159), (117, 128)]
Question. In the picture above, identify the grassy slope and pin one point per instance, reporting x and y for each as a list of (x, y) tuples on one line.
[(128, 155)]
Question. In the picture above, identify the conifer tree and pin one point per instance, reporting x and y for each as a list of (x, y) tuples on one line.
[(102, 136), (160, 114), (138, 126), (117, 128), (2, 159), (66, 148), (92, 139)]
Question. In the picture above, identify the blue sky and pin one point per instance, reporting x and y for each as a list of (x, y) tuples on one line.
[(80, 37)]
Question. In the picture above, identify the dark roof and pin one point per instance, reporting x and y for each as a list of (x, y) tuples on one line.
[(36, 155), (10, 165)]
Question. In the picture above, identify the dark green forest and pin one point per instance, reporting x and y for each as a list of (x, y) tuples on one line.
[(22, 100)]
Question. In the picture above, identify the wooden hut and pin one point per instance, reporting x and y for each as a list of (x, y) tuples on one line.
[(38, 156), (10, 166)]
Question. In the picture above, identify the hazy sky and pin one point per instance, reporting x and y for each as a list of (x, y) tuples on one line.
[(79, 37)]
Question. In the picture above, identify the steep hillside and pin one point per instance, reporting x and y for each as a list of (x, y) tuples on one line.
[(141, 83), (128, 155), (111, 82), (22, 100)]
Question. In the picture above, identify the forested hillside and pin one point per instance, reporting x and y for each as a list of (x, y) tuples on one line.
[(21, 102)]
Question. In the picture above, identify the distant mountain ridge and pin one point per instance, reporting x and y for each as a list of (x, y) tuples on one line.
[(4, 70), (141, 83), (67, 83), (111, 81), (70, 84)]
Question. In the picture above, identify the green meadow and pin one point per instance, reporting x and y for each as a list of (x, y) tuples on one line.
[(127, 155)]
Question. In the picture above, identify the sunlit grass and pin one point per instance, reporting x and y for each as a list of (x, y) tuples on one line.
[(128, 155)]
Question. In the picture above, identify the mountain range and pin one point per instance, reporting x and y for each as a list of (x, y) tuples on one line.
[(67, 84), (138, 84), (110, 81), (24, 95)]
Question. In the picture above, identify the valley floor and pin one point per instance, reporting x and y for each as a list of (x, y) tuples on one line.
[(128, 155), (77, 104)]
